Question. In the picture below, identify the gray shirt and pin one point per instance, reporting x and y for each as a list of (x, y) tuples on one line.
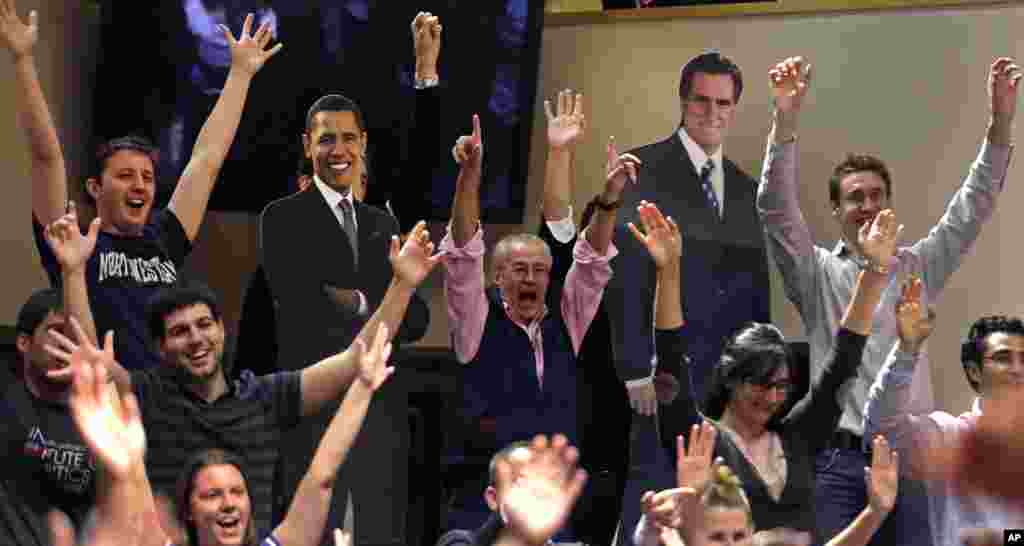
[(820, 282)]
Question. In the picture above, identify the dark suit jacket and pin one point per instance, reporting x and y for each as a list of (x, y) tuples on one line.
[(304, 249), (725, 280)]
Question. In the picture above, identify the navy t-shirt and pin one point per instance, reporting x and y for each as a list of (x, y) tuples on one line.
[(122, 274), (44, 464)]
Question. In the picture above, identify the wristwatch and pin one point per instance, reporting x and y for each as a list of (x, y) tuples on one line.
[(425, 83)]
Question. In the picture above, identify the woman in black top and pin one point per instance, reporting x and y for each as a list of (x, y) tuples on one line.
[(773, 454)]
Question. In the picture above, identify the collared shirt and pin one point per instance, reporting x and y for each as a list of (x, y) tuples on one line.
[(467, 299), (699, 157), (334, 198), (888, 413), (820, 283)]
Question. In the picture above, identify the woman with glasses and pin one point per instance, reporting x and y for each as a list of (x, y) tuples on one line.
[(771, 452)]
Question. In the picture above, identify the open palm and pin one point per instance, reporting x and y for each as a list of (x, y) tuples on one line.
[(883, 477), (566, 125), (538, 502), (661, 235), (373, 368), (249, 51), (19, 38)]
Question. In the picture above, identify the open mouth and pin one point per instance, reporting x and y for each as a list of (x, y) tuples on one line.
[(136, 204), (230, 523), (528, 297), (340, 168)]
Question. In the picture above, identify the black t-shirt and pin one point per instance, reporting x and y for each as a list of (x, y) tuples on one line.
[(122, 274), (249, 420), (45, 465)]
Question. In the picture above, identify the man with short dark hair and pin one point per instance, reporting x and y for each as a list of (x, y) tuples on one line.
[(691, 179), (819, 281), (188, 402), (993, 359), (139, 250)]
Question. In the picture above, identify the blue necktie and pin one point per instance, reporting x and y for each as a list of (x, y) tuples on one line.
[(709, 191)]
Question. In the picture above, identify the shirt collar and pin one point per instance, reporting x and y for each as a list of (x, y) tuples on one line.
[(333, 196), (697, 154), (536, 321)]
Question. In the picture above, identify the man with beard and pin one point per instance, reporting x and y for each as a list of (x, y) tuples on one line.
[(188, 403)]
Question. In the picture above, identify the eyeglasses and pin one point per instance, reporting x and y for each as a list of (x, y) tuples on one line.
[(784, 386)]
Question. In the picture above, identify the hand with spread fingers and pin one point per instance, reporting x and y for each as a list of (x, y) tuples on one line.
[(790, 80), (878, 238), (373, 368), (567, 124), (660, 236), (71, 248), (248, 52), (914, 323), (468, 150), (342, 538), (883, 477), (426, 38), (694, 458), (539, 498), (414, 260), (18, 37)]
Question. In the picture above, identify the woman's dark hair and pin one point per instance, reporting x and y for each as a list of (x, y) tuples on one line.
[(752, 355), (186, 483)]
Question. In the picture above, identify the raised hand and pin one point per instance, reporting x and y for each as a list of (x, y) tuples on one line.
[(878, 238), (70, 247), (693, 461), (619, 169), (426, 39), (1003, 82), (537, 501), (342, 538), (883, 478), (248, 52), (567, 124), (662, 239), (468, 150), (373, 368), (414, 261), (19, 38), (115, 438), (790, 81), (913, 323)]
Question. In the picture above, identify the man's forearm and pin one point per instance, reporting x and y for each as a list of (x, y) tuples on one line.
[(466, 206), (391, 311), (49, 191), (1000, 131), (190, 198), (669, 309), (868, 292), (784, 126), (601, 229), (557, 184)]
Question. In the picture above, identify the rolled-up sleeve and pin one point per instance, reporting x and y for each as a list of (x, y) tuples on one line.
[(464, 294)]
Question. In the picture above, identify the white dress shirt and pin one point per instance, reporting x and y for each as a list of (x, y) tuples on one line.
[(699, 157)]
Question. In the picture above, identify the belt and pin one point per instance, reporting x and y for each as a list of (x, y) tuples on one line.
[(844, 439)]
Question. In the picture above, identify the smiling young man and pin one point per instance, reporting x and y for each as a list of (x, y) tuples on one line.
[(819, 282), (139, 249)]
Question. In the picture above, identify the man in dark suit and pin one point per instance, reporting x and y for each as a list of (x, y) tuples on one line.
[(325, 256), (727, 280)]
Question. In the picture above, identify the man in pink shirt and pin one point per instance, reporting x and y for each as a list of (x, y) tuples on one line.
[(518, 343)]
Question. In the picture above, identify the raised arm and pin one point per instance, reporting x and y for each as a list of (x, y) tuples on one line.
[(190, 197), (464, 264), (945, 246), (663, 242), (887, 411), (620, 169), (566, 127), (817, 414), (49, 176), (111, 427), (469, 153), (883, 485), (303, 525), (327, 379), (777, 196), (72, 251)]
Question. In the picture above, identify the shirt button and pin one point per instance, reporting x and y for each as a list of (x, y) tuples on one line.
[(721, 292)]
